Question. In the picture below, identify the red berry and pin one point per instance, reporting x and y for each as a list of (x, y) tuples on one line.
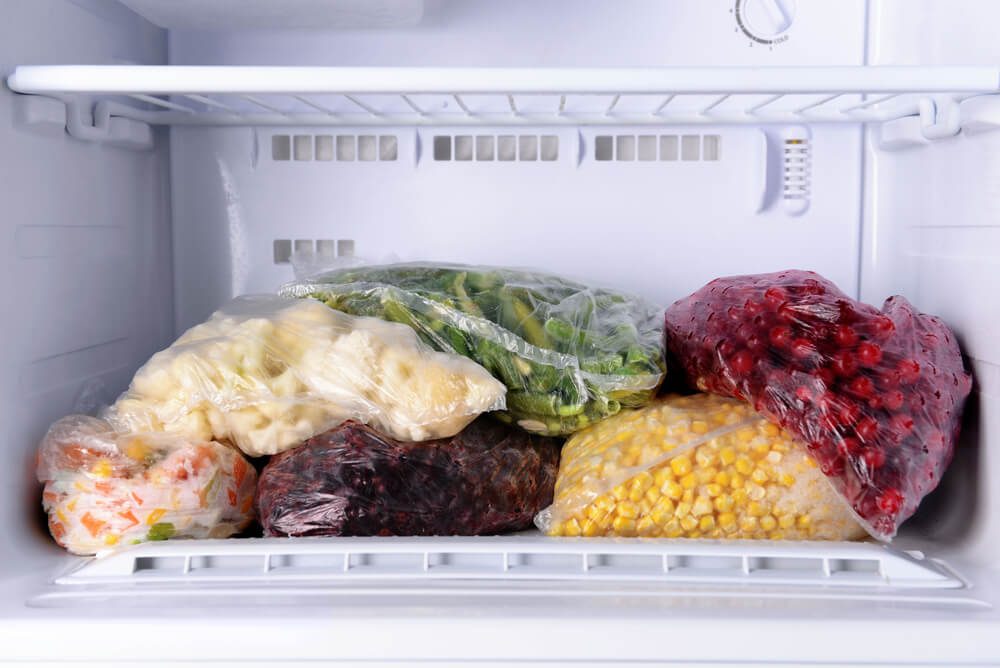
[(741, 363), (802, 347), (908, 371), (845, 336), (755, 343), (781, 336), (861, 386), (726, 348), (775, 297), (787, 313), (849, 446), (866, 429), (869, 354), (874, 458), (890, 501), (844, 364), (753, 308), (832, 467), (883, 327), (893, 400), (803, 394), (824, 376), (902, 424), (848, 413)]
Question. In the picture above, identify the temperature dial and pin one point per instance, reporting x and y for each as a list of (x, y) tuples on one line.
[(765, 21)]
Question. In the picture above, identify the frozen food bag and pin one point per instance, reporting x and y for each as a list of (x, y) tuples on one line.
[(569, 354), (354, 481), (266, 372), (105, 489), (697, 466), (875, 395)]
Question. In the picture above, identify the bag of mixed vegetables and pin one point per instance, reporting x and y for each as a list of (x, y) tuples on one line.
[(104, 489), (570, 355)]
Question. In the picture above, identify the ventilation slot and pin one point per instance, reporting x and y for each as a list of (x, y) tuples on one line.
[(490, 148), (653, 148), (319, 249), (339, 148)]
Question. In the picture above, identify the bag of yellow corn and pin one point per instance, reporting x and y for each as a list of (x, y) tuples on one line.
[(698, 466)]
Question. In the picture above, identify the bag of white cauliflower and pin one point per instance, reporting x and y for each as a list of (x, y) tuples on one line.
[(266, 372)]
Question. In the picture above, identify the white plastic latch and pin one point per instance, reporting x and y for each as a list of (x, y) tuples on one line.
[(940, 117)]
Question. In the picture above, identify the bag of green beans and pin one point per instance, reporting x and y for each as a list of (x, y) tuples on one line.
[(569, 354)]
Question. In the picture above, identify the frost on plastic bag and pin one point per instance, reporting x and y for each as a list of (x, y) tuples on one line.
[(693, 467), (569, 355), (104, 489), (265, 372), (876, 395), (353, 481)]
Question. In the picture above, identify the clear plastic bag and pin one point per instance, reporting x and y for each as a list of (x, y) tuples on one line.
[(104, 489), (353, 481), (266, 372), (693, 467), (875, 395), (569, 355)]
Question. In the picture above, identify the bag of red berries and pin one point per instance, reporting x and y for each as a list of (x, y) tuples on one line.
[(875, 394)]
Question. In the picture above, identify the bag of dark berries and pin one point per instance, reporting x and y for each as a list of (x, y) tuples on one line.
[(876, 395), (354, 481)]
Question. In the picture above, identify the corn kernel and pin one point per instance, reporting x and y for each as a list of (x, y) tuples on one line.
[(803, 522), (748, 524), (787, 479), (645, 506), (643, 480), (701, 506), (664, 505), (680, 465), (786, 521), (713, 489), (646, 526), (699, 426), (688, 495), (619, 492), (705, 476), (624, 526), (736, 481), (706, 523), (690, 481), (723, 503), (605, 503), (755, 491), (688, 523), (597, 514), (635, 494), (673, 490), (673, 529), (571, 527), (704, 457), (740, 497), (683, 508), (774, 457), (652, 494), (770, 429), (590, 528), (663, 474), (745, 435), (110, 539), (102, 469), (759, 476), (727, 455), (744, 465), (776, 535), (628, 510), (727, 522), (722, 478), (755, 509), (768, 523)]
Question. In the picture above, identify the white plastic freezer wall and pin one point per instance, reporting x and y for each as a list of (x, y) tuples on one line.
[(133, 207)]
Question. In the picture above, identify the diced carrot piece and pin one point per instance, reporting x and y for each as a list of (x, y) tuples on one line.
[(239, 470), (51, 497), (103, 487), (232, 496), (130, 517), (93, 524), (137, 498), (57, 530)]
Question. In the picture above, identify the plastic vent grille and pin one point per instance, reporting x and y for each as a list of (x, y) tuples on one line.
[(495, 148), (340, 148), (657, 148), (336, 559)]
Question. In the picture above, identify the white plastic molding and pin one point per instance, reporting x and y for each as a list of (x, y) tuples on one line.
[(514, 558)]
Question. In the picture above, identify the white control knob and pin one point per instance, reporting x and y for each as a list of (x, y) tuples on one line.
[(768, 18)]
